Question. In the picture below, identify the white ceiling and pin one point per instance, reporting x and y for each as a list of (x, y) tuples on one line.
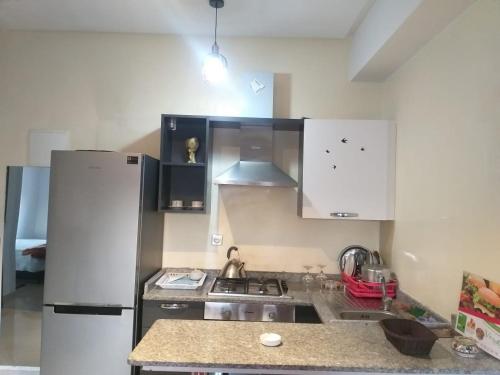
[(274, 18)]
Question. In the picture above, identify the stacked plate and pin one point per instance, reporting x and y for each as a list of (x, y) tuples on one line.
[(352, 259)]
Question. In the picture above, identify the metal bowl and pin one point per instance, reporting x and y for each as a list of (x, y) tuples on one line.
[(373, 273)]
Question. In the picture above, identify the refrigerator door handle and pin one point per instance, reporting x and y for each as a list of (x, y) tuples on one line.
[(88, 310)]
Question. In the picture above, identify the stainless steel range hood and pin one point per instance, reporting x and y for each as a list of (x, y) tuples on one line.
[(255, 167)]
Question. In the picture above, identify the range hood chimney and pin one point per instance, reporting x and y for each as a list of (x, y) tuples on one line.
[(255, 167)]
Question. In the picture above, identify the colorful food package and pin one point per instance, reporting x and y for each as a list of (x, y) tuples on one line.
[(479, 312)]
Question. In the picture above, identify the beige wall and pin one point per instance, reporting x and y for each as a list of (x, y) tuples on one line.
[(262, 222), (446, 102), (110, 89)]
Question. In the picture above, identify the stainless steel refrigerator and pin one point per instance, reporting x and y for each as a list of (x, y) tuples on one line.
[(104, 239)]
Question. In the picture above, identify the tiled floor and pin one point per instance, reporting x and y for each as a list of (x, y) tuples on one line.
[(20, 329)]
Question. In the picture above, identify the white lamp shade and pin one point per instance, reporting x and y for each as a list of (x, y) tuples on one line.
[(214, 68)]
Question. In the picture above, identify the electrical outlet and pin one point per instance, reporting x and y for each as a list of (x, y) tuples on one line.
[(216, 239)]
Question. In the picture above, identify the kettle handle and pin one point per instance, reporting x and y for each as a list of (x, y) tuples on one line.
[(230, 250)]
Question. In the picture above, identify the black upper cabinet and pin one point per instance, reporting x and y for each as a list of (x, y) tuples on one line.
[(188, 182), (180, 180)]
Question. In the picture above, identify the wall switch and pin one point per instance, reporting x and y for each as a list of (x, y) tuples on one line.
[(216, 239)]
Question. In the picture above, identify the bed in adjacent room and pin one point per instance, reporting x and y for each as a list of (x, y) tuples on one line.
[(29, 266)]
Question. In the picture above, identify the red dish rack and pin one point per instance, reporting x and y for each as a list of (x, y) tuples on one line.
[(365, 289)]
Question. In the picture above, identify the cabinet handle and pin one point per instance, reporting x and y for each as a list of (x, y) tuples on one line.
[(174, 306), (344, 214)]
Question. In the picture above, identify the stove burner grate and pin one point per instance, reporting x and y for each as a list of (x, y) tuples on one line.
[(250, 287)]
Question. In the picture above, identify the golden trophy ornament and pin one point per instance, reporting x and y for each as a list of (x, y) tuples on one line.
[(192, 145)]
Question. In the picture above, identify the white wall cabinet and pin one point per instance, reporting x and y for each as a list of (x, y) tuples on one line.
[(348, 170)]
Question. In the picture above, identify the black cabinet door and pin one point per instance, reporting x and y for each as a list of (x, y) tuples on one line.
[(154, 310)]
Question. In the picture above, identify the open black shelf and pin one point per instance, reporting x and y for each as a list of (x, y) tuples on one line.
[(185, 184), (180, 180)]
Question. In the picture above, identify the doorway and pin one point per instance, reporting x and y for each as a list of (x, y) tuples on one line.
[(23, 265)]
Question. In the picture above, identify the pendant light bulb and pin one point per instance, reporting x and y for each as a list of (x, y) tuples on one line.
[(215, 64)]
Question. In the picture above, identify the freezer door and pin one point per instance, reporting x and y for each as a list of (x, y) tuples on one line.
[(81, 344), (92, 232)]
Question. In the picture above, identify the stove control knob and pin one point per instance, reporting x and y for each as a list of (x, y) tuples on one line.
[(226, 314), (272, 316)]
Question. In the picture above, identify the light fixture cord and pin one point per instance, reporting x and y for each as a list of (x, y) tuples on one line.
[(216, 11)]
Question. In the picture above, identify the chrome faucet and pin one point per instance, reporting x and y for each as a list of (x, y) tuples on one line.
[(386, 300)]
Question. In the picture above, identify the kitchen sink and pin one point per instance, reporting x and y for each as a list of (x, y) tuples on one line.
[(306, 314), (366, 315)]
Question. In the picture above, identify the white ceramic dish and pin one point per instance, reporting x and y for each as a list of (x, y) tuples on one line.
[(270, 339), (196, 275)]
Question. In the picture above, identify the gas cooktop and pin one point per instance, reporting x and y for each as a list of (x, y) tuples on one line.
[(249, 287)]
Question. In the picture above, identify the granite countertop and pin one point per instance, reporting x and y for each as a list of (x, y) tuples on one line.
[(327, 304), (200, 345), (337, 345)]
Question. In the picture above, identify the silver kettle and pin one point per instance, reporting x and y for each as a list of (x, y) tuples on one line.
[(234, 267)]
